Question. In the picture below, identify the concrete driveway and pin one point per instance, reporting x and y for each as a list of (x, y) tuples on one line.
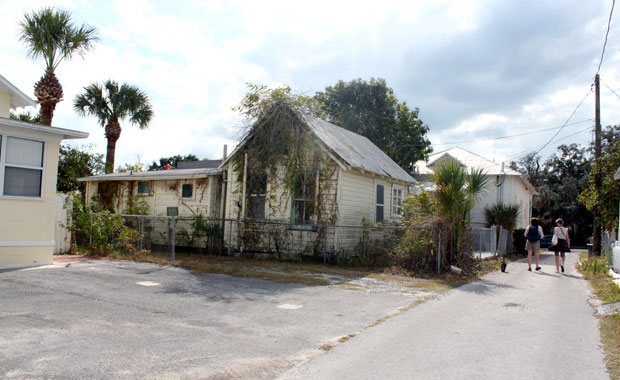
[(124, 320)]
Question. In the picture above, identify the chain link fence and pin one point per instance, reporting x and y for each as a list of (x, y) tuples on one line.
[(164, 238)]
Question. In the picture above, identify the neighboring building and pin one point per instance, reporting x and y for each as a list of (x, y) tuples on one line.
[(181, 192), (28, 170), (342, 179), (506, 185)]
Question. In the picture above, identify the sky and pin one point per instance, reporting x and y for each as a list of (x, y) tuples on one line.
[(480, 72)]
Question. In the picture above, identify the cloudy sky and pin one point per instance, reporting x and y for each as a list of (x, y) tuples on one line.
[(477, 70)]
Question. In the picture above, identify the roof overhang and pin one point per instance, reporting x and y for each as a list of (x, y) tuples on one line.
[(65, 134), (162, 175), (18, 98)]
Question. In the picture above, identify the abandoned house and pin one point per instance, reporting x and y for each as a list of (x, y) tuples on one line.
[(304, 175)]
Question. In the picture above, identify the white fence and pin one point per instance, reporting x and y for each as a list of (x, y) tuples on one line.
[(489, 242), (62, 236)]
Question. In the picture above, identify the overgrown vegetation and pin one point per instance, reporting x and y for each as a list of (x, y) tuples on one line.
[(596, 271), (504, 215)]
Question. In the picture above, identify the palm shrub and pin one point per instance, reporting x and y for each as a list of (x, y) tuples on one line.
[(458, 190), (501, 214)]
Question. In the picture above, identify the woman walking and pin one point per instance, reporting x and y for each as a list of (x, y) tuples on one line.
[(533, 233), (560, 233)]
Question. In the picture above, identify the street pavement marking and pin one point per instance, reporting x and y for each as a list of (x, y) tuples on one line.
[(147, 283), (288, 306)]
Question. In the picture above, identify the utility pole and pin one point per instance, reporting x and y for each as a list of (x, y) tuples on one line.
[(596, 234)]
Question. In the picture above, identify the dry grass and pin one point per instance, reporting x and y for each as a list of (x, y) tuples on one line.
[(609, 325)]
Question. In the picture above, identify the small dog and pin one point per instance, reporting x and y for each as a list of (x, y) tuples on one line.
[(503, 265)]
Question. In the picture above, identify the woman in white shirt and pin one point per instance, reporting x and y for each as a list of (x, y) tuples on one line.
[(562, 246)]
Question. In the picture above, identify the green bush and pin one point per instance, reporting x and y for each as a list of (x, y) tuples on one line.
[(594, 264)]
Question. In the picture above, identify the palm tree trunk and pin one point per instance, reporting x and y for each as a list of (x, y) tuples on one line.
[(48, 92), (112, 133)]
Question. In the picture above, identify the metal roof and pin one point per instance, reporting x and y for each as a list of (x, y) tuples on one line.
[(356, 150), (469, 160), (198, 164), (154, 175)]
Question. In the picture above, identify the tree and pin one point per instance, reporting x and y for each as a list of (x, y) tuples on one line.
[(26, 116), (111, 103), (500, 214), (604, 201), (75, 162), (137, 167), (50, 34), (171, 162), (371, 109), (457, 193), (559, 181)]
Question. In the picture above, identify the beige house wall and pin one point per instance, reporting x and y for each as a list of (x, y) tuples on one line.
[(27, 225), (5, 104), (512, 191), (205, 199)]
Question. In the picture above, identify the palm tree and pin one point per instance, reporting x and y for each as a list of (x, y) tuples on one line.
[(110, 104), (457, 194), (502, 214), (50, 34)]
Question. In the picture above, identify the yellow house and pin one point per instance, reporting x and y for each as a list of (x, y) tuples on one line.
[(28, 169)]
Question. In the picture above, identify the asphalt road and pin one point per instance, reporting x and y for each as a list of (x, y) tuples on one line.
[(519, 325), (123, 320)]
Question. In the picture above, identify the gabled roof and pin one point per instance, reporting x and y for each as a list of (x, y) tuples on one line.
[(154, 175), (18, 98), (471, 161), (354, 150)]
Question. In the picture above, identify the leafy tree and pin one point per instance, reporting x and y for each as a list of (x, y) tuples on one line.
[(76, 162), (50, 34), (111, 103), (604, 201), (260, 98), (559, 181), (372, 110), (137, 167), (26, 116), (457, 193), (171, 161)]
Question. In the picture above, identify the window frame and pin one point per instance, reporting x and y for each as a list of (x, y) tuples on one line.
[(4, 138), (191, 186), (400, 188), (256, 194), (377, 204), (309, 198), (138, 188)]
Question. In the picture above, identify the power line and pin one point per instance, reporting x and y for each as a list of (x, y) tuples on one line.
[(534, 149), (611, 90), (509, 136), (567, 120), (606, 35)]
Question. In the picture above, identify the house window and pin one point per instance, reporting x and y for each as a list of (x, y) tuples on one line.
[(397, 200), (187, 190), (257, 190), (379, 203), (303, 200), (144, 187), (22, 167)]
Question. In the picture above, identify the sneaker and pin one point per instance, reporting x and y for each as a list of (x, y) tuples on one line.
[(562, 268), (538, 268), (529, 269)]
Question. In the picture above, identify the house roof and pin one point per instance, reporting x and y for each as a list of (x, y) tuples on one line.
[(18, 98), (65, 133), (469, 160), (198, 164), (155, 175), (354, 150), (617, 175)]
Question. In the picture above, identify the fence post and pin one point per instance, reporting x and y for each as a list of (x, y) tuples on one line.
[(229, 237), (439, 252), (90, 240), (174, 233)]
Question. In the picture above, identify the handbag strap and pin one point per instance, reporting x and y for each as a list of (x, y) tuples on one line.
[(563, 233)]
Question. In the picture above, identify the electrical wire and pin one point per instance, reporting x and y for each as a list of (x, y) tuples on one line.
[(612, 90), (534, 149), (606, 35)]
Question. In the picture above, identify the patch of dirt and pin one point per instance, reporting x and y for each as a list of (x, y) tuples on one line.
[(75, 258)]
